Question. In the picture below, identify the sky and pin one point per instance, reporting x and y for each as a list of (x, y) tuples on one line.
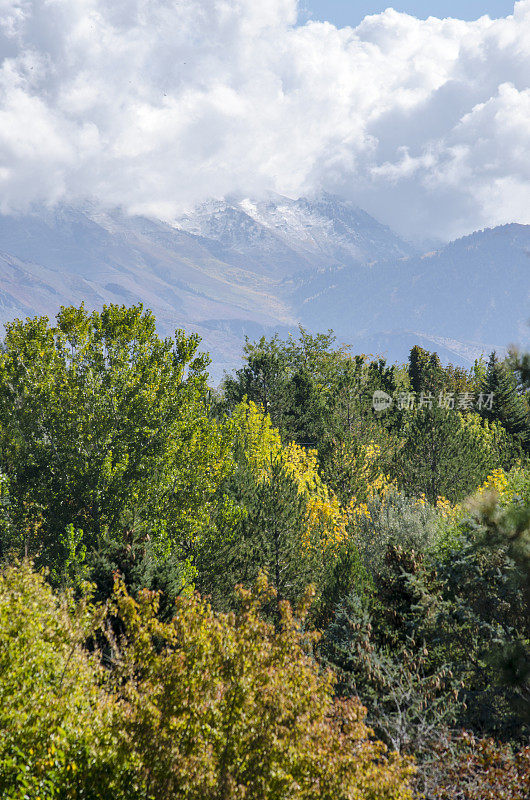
[(352, 12), (156, 105)]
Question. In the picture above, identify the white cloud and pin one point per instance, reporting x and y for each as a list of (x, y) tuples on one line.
[(156, 104)]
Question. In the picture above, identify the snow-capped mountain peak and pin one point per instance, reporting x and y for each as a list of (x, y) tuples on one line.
[(324, 231)]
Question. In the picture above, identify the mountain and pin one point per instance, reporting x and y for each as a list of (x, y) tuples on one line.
[(286, 236), (469, 297), (243, 267), (218, 271)]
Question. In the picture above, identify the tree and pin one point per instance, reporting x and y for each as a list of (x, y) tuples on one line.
[(409, 702), (505, 532), (425, 370), (103, 426), (267, 533), (442, 456), (222, 707), (56, 716), (261, 379), (509, 407), (426, 374)]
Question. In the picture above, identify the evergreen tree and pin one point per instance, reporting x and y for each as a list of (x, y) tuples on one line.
[(418, 366), (442, 457), (426, 374), (508, 407), (267, 532)]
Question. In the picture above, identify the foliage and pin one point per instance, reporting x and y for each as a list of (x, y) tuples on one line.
[(392, 519), (408, 701), (507, 530), (426, 374), (229, 707), (509, 406), (103, 427), (118, 465), (267, 533), (55, 715), (274, 513), (468, 768), (443, 456)]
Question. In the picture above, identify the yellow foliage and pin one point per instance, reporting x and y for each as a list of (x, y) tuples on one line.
[(325, 516), (379, 487), (327, 521), (497, 482), (254, 431)]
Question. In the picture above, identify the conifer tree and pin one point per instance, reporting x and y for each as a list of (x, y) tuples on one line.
[(508, 406), (441, 456), (268, 534), (418, 360)]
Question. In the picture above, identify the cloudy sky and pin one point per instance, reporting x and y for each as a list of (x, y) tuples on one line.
[(154, 105), (351, 12)]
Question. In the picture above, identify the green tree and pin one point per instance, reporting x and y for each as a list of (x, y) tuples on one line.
[(509, 407), (425, 370), (426, 374), (104, 427), (409, 701), (505, 532), (442, 456), (267, 532), (56, 716), (262, 378)]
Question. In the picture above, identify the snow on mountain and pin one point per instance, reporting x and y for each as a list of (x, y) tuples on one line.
[(328, 226), (296, 235), (244, 267)]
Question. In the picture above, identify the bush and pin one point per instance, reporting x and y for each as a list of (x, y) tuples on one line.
[(226, 706), (55, 716)]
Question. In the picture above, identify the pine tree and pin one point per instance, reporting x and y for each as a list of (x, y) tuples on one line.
[(418, 361), (268, 533), (441, 456), (508, 406)]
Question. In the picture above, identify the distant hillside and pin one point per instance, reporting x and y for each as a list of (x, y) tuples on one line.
[(218, 271), (236, 268), (470, 296)]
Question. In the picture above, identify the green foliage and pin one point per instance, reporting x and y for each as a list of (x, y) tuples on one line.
[(319, 395), (73, 568), (118, 465), (104, 427), (426, 374), (231, 707), (408, 700), (507, 531), (55, 715), (442, 456), (343, 575), (268, 533), (394, 520), (509, 406), (205, 706)]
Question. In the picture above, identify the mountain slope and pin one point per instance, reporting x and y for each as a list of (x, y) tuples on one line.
[(236, 268), (219, 271), (286, 236), (474, 292)]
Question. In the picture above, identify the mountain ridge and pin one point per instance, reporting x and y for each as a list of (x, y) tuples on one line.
[(252, 267)]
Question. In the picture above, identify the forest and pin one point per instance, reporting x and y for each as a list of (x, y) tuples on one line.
[(312, 582)]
